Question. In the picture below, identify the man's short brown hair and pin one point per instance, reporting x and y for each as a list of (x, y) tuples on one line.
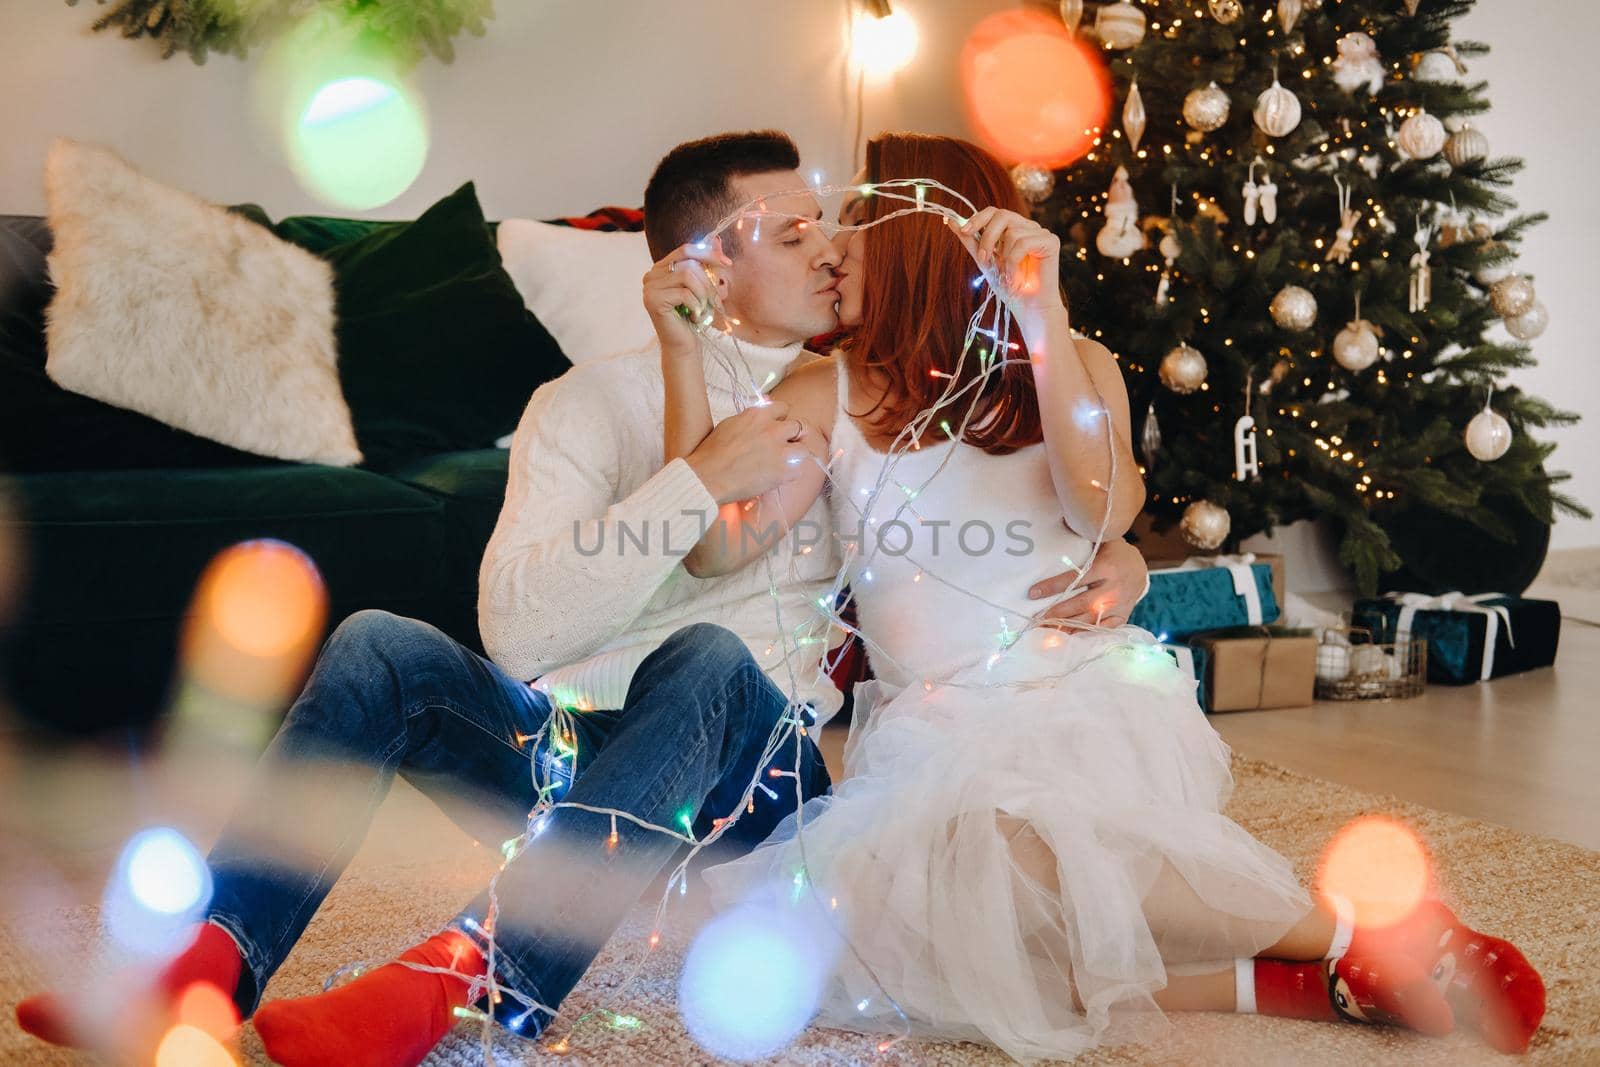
[(691, 189)]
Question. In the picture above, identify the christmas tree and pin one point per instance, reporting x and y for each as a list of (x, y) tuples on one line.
[(1290, 217)]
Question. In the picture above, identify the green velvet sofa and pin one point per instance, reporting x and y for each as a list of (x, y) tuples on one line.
[(115, 516)]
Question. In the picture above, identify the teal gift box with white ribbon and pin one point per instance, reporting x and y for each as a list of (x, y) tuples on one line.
[(1470, 638), (1207, 593)]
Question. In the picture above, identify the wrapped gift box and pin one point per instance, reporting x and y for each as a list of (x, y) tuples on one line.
[(1207, 593), (1469, 639), (1251, 668)]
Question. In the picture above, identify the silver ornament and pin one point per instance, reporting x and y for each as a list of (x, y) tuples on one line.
[(1294, 308), (1488, 435), (1120, 25), (1356, 347), (1072, 14), (1034, 182), (1512, 296), (1421, 136), (1289, 12), (1530, 324), (1226, 12), (1205, 525), (1466, 145), (1133, 116), (1206, 108), (1183, 370), (1150, 437), (1277, 111)]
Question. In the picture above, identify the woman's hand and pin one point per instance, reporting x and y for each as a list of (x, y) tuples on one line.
[(1018, 257)]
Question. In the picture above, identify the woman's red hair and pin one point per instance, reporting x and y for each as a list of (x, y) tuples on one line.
[(918, 297)]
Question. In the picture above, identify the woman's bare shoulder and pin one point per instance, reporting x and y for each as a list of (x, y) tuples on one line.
[(811, 390)]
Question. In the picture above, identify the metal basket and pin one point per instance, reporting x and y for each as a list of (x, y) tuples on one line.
[(1352, 666)]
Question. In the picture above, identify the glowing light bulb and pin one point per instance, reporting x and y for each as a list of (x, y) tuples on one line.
[(881, 46)]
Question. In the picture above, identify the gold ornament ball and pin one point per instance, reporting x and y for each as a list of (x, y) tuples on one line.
[(1421, 136), (1183, 370), (1488, 435), (1277, 111), (1512, 296), (1356, 347), (1034, 182), (1206, 108), (1530, 324), (1294, 308), (1226, 12), (1205, 525), (1466, 145), (1120, 25)]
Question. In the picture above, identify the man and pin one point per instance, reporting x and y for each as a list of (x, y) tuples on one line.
[(662, 691)]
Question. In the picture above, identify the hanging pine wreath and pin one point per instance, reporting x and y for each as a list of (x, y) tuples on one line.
[(410, 28)]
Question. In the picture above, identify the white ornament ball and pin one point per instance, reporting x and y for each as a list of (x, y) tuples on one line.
[(1492, 274), (1034, 182), (1206, 108), (1436, 66), (1205, 525), (1512, 296), (1488, 435), (1226, 12), (1530, 324), (1421, 136), (1183, 370), (1294, 308), (1277, 111), (1366, 661), (1356, 347), (1120, 25), (1170, 247), (1466, 145)]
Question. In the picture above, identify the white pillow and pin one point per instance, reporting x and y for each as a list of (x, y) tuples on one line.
[(174, 308), (583, 285)]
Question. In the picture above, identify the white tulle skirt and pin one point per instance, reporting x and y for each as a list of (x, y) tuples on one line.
[(1024, 852)]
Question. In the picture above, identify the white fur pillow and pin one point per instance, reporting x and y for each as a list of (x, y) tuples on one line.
[(175, 308), (583, 285)]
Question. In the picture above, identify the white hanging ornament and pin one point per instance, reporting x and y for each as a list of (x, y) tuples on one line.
[(1226, 12), (1439, 65), (1205, 525), (1421, 136), (1170, 250), (1491, 274), (1034, 182), (1530, 324), (1120, 25), (1466, 145), (1072, 14), (1356, 347), (1512, 296), (1277, 111), (1260, 197), (1488, 435), (1421, 272), (1121, 236), (1150, 437), (1294, 308), (1133, 116), (1269, 201), (1183, 370), (1358, 64), (1412, 5), (1206, 108), (1246, 460), (1344, 240), (1289, 13)]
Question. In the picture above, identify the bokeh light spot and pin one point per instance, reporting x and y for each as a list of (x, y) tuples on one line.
[(882, 45), (190, 1046), (205, 1007), (158, 891), (360, 142), (1034, 92), (1380, 865), (265, 597)]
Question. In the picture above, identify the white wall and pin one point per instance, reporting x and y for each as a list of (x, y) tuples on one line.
[(566, 105)]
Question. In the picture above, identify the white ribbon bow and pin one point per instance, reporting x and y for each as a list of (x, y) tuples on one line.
[(1411, 603), (1244, 578)]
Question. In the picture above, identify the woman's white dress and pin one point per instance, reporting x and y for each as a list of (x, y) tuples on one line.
[(1028, 838)]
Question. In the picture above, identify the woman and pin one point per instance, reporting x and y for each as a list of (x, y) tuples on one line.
[(1028, 846)]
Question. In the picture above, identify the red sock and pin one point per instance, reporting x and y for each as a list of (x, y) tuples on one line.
[(211, 957), (393, 1016), (1395, 990), (1490, 984)]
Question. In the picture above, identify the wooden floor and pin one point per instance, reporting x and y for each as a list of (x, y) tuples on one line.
[(1522, 751)]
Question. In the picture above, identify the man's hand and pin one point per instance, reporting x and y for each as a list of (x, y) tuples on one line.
[(681, 278), (1106, 595), (750, 453)]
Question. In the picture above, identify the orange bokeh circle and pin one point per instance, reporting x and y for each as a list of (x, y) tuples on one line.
[(265, 597), (1034, 92), (1380, 865)]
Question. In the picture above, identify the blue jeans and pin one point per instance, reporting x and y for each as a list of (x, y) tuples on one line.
[(391, 695)]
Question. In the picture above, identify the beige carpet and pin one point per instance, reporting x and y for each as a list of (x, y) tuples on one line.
[(1542, 894)]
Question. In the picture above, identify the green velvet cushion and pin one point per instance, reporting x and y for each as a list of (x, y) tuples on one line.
[(436, 351), (472, 487)]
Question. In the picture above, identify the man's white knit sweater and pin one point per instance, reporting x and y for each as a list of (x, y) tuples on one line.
[(583, 577)]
